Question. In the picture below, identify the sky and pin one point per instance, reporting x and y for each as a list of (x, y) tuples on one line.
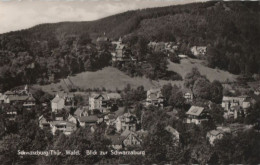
[(22, 14)]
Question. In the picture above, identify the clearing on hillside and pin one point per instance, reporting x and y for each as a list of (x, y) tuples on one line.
[(212, 74)]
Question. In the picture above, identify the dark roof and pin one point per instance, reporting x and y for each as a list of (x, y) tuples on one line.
[(88, 119)]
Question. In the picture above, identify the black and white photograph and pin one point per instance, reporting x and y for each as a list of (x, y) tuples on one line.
[(129, 82)]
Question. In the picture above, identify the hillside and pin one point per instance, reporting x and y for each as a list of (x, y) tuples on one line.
[(212, 74), (230, 30), (110, 78)]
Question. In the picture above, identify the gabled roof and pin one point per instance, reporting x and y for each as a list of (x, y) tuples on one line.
[(195, 111), (56, 99), (97, 95), (80, 110), (88, 119)]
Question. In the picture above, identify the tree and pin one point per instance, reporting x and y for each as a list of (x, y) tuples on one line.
[(167, 91), (201, 89), (191, 77), (216, 91)]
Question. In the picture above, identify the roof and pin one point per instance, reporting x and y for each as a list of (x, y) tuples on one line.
[(56, 99), (80, 110), (154, 94), (97, 95), (67, 123), (88, 119), (195, 110), (65, 95), (17, 97), (215, 132), (114, 96)]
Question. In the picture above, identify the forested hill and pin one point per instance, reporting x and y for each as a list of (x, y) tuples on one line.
[(229, 29)]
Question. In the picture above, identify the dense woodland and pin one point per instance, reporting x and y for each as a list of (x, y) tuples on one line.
[(229, 29)]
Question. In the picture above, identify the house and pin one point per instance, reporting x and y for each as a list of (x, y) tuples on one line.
[(29, 103), (126, 121), (257, 91), (214, 135), (72, 119), (119, 42), (44, 122), (188, 95), (98, 101), (154, 97), (198, 50), (110, 119), (232, 105), (217, 134), (125, 139), (57, 103), (175, 134), (130, 138), (103, 101), (11, 113), (116, 142), (196, 115), (62, 100), (103, 39), (64, 126), (81, 111), (88, 120)]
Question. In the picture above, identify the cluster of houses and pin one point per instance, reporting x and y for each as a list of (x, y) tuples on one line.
[(234, 106), (171, 47), (120, 53), (22, 97), (126, 126), (163, 46)]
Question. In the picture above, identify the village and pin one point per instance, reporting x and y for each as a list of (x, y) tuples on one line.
[(122, 126), (124, 114)]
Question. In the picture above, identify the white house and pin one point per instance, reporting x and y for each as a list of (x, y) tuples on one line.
[(199, 50), (126, 122), (64, 126), (57, 103), (154, 97)]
